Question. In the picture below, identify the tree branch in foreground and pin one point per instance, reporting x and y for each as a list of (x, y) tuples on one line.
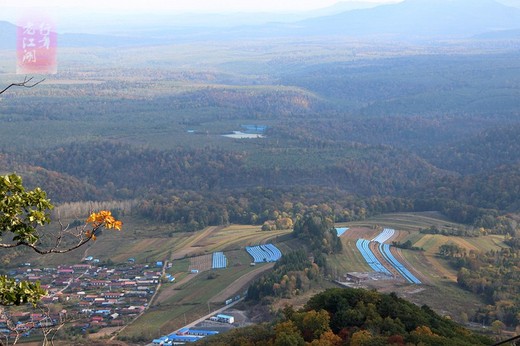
[(27, 83)]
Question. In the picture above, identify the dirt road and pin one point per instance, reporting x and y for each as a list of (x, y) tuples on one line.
[(239, 284), (190, 246)]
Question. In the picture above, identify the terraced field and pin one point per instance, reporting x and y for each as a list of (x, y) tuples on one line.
[(377, 254), (439, 287), (349, 260), (406, 222), (187, 298), (189, 295), (408, 225), (361, 233)]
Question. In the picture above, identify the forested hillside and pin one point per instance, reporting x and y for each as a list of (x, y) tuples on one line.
[(354, 317), (278, 133), (412, 132)]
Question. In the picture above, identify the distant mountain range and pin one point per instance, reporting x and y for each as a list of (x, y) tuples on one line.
[(7, 35), (499, 35), (410, 19), (512, 3), (420, 18), (8, 39), (103, 22)]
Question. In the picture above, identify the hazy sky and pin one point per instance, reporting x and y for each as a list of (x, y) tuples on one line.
[(97, 16), (179, 5)]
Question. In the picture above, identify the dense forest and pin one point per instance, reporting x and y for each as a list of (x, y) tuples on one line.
[(353, 317), (206, 183), (356, 137)]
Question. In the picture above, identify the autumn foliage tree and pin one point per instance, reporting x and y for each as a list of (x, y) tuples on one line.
[(346, 316)]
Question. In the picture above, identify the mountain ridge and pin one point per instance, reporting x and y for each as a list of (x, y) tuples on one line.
[(420, 18), (410, 19)]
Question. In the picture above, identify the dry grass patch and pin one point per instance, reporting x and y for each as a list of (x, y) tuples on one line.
[(349, 260), (201, 263), (361, 233)]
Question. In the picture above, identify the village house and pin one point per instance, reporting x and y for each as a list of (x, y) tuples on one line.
[(65, 270), (99, 296)]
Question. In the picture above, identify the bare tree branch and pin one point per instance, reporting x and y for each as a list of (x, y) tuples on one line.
[(54, 250), (81, 234), (27, 83), (53, 328), (10, 325), (49, 328)]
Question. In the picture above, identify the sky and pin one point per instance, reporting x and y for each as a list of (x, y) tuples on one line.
[(178, 5), (101, 16)]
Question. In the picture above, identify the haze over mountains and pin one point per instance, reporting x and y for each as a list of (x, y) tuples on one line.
[(102, 21), (421, 18), (410, 19)]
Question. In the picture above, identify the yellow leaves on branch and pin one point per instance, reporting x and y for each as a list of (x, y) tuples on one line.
[(102, 219)]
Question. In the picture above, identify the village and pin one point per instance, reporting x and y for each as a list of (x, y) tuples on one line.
[(87, 296), (95, 296)]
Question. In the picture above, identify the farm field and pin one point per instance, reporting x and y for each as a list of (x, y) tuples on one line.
[(432, 242), (190, 299), (361, 233), (148, 243), (349, 260), (405, 221), (408, 226), (187, 298), (238, 236), (439, 281)]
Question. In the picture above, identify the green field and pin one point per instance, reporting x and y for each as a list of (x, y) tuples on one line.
[(190, 299), (440, 289), (350, 260), (406, 221), (187, 298)]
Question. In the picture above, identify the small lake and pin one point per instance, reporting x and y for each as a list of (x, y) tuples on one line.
[(240, 135)]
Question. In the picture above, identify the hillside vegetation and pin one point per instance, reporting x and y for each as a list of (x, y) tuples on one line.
[(363, 128), (342, 129), (354, 317)]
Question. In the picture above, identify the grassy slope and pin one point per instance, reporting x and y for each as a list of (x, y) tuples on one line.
[(147, 243), (441, 292), (350, 259), (190, 297)]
